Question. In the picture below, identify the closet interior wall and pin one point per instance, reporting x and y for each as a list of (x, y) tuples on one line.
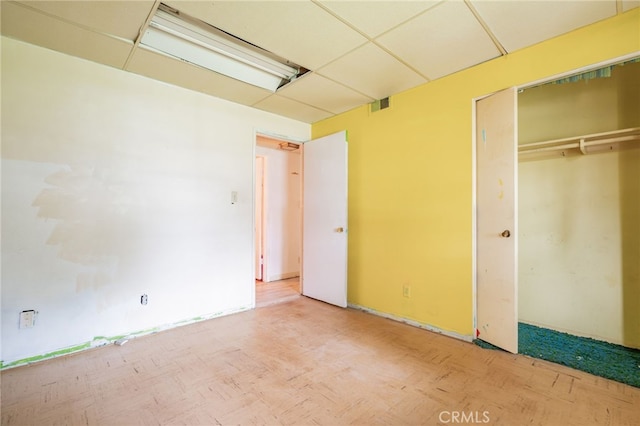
[(579, 237)]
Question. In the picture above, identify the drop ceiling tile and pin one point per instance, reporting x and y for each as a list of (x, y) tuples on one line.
[(293, 109), (630, 4), (324, 94), (118, 18), (449, 37), (299, 31), (161, 67), (375, 18), (33, 27), (521, 24), (372, 71)]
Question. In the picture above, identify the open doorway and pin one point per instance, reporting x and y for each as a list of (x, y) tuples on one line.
[(278, 220), (317, 261)]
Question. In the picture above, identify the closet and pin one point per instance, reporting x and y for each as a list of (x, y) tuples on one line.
[(579, 205)]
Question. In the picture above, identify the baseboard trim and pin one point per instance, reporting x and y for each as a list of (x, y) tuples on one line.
[(412, 323), (99, 341)]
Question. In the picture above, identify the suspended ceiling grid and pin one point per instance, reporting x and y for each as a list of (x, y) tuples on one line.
[(357, 51)]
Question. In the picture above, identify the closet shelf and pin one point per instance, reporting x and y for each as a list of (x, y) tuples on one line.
[(585, 144)]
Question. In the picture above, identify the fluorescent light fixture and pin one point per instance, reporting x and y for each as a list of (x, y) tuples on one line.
[(188, 39)]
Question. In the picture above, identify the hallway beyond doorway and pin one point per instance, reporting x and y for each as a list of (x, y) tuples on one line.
[(277, 291)]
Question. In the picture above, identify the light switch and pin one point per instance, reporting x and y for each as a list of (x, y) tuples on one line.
[(234, 197), (27, 318)]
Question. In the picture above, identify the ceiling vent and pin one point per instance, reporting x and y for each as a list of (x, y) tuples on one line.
[(380, 104)]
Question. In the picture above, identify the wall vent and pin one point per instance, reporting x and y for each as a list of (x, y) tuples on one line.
[(379, 104)]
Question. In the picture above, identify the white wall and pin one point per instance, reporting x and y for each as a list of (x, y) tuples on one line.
[(114, 185), (282, 213), (572, 247)]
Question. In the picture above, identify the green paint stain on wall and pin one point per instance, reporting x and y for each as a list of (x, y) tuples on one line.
[(104, 340), (53, 354)]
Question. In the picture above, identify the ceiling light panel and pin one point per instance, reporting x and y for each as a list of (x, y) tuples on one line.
[(372, 71), (117, 18), (374, 19), (190, 40), (524, 23), (300, 31), (179, 73), (449, 37)]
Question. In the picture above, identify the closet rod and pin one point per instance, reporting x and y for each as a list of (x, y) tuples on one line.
[(551, 148), (612, 140), (631, 130), (586, 144), (580, 142)]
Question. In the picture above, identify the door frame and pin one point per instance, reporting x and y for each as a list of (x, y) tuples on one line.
[(283, 138), (474, 171), (258, 221)]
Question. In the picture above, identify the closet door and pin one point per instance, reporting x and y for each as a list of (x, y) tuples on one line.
[(496, 227)]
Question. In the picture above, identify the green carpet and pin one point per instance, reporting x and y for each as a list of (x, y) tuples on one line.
[(600, 358)]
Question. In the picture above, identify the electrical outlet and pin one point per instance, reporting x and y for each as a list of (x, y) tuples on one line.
[(27, 318), (144, 299), (406, 290)]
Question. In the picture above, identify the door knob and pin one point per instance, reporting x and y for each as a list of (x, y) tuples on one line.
[(506, 233), (341, 229)]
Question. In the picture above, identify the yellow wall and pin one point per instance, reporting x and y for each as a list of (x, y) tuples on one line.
[(410, 177)]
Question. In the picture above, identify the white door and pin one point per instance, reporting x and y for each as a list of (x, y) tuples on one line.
[(259, 225), (496, 154), (324, 215)]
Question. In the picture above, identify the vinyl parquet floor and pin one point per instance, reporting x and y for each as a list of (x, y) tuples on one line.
[(304, 362)]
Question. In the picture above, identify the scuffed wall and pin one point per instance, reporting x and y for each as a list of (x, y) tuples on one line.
[(115, 186)]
